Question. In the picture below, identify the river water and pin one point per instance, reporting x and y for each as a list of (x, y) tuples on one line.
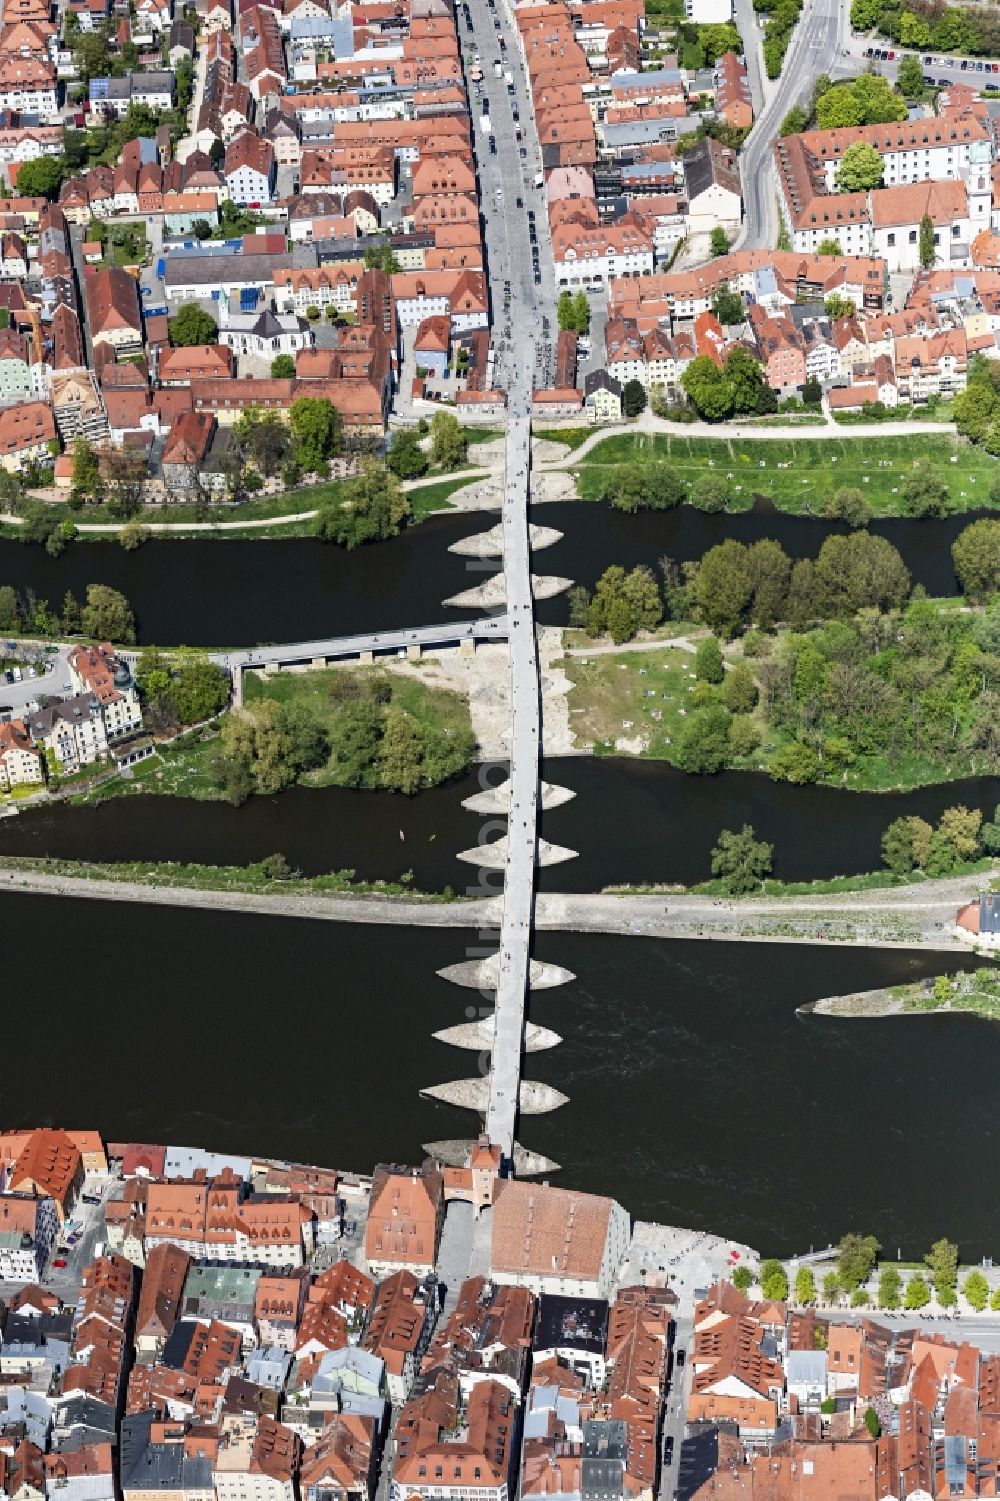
[(697, 1095), (250, 593), (631, 822)]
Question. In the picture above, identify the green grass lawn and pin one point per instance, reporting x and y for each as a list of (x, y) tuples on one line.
[(572, 437), (436, 707), (799, 474)]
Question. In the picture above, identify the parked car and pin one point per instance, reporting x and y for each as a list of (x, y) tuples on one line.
[(680, 1357), (668, 1449), (91, 1198), (59, 1262)]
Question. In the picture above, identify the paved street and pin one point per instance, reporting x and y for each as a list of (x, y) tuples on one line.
[(813, 50), (503, 179)]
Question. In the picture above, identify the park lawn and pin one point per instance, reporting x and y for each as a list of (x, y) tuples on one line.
[(474, 435), (437, 708), (423, 502), (614, 697), (798, 474), (610, 711)]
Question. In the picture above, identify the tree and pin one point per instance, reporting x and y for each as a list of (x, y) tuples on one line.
[(727, 306), (855, 1259), (958, 827), (914, 31), (836, 306), (889, 1284), (703, 746), (976, 1290), (917, 1294), (72, 615), (872, 1423), (848, 504), (794, 122), (719, 241), (633, 398), (906, 843), (709, 492), (805, 1285), (927, 243), (831, 1287), (624, 603), (740, 862), (707, 387), (566, 312), (723, 586), (406, 458), (942, 1258), (976, 555), (795, 762), (664, 487), (861, 169), (269, 441), (107, 615), (812, 392), (86, 478), (910, 75), (829, 246), (581, 312), (401, 753), (10, 610), (201, 229), (708, 663), (217, 153), (192, 326), (743, 1279), (924, 494), (125, 476), (838, 108), (739, 690), (975, 409), (41, 177), (317, 429), (368, 508), (745, 377), (773, 1281), (995, 1300), (382, 257), (449, 443), (282, 367)]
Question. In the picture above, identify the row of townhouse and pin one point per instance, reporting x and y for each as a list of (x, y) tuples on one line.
[(761, 1373), (76, 730), (936, 166)]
